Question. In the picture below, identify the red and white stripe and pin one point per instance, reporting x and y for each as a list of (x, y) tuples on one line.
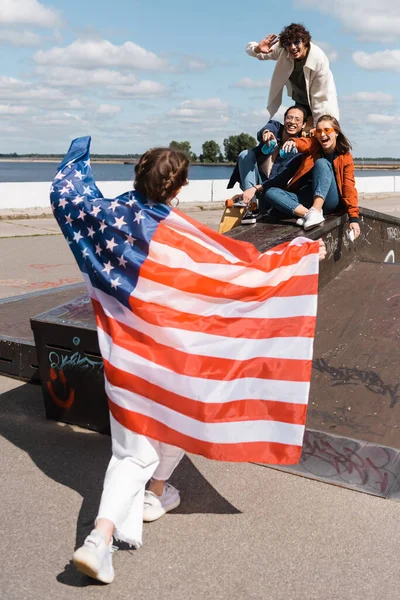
[(214, 354)]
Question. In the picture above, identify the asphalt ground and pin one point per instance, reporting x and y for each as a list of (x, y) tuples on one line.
[(242, 531), (44, 261)]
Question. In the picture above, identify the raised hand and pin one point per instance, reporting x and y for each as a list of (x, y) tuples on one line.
[(266, 45)]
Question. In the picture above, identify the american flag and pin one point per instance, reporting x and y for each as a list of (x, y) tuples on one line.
[(207, 343)]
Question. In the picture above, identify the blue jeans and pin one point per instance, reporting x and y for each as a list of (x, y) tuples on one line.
[(323, 185), (248, 169)]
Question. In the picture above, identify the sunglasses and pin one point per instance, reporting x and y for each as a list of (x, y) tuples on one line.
[(294, 42), (326, 130)]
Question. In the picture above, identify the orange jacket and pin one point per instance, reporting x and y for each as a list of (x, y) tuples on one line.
[(343, 166)]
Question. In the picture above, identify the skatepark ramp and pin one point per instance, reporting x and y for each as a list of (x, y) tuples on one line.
[(353, 423)]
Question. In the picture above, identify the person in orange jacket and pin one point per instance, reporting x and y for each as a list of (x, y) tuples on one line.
[(325, 180)]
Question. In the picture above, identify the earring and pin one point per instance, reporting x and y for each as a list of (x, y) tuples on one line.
[(174, 202)]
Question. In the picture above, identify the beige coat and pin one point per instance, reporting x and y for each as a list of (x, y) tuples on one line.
[(321, 90)]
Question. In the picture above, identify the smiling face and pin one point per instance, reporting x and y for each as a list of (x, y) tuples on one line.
[(294, 122), (297, 49), (326, 136)]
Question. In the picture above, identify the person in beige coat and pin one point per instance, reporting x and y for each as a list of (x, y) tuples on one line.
[(302, 67)]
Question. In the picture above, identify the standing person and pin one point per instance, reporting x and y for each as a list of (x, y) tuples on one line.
[(303, 67), (265, 165), (324, 181), (181, 343), (136, 459)]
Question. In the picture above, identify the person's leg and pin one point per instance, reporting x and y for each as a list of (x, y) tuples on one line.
[(132, 464), (325, 193), (325, 190), (161, 497), (286, 202), (248, 169)]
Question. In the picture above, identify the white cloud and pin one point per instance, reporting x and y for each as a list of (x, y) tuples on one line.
[(108, 109), (386, 60), (15, 90), (6, 109), (91, 54), (207, 112), (246, 83), (378, 119), (18, 38), (141, 89), (195, 64), (71, 77), (368, 18), (28, 12), (371, 97), (113, 81)]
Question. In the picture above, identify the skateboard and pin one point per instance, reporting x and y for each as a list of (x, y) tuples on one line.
[(233, 213)]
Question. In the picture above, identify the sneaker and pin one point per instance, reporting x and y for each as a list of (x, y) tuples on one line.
[(249, 217), (313, 218), (300, 221), (94, 558), (156, 506)]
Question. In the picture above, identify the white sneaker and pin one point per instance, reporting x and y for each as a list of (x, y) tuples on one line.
[(94, 558), (313, 218), (300, 221), (156, 506)]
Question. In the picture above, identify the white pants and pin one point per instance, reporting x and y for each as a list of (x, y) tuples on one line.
[(134, 461)]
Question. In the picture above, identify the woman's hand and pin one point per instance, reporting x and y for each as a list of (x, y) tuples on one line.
[(288, 146), (356, 228), (266, 45), (267, 137), (249, 194), (322, 250)]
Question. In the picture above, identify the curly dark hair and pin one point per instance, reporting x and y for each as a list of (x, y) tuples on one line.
[(293, 32), (160, 173)]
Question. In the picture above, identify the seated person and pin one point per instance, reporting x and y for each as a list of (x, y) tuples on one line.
[(263, 165), (324, 181)]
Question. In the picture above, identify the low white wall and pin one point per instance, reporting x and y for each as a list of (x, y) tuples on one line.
[(36, 194)]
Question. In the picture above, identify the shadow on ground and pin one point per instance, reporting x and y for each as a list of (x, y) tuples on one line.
[(78, 460)]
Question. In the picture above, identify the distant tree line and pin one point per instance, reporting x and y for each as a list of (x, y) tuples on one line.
[(211, 151)]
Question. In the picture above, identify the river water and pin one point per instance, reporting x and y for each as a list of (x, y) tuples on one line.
[(45, 171)]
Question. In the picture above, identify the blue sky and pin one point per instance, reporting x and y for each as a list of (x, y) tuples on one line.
[(136, 74)]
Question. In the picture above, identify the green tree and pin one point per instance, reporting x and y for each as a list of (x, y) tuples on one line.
[(235, 144), (211, 151), (184, 147)]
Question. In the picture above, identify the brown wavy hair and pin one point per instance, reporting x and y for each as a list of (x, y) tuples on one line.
[(160, 173), (292, 32), (343, 145)]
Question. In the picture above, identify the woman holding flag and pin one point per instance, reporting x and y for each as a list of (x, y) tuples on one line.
[(206, 343), (136, 459)]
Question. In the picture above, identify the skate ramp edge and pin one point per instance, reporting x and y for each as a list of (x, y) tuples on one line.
[(352, 437)]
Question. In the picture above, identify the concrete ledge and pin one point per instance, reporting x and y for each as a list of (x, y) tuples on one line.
[(20, 196)]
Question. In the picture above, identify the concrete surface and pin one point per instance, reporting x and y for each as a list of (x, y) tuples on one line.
[(242, 531)]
